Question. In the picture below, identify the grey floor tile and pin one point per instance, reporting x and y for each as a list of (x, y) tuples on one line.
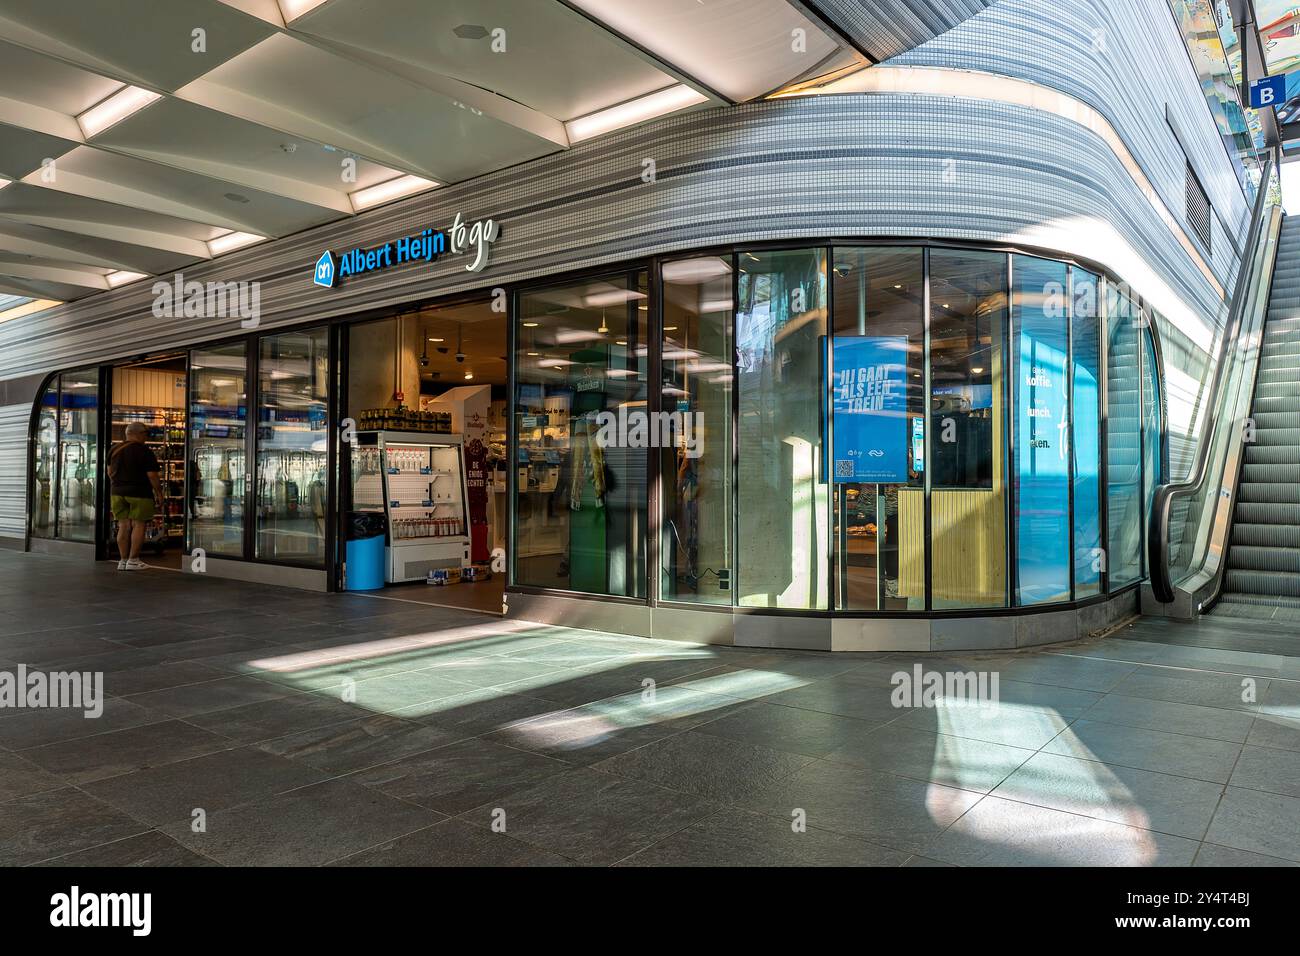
[(1213, 855), (454, 843), (878, 807), (1012, 725), (1186, 686), (152, 849), (172, 792), (20, 777), (842, 697), (1265, 768), (605, 728), (152, 677), (409, 693), (1135, 798), (1177, 754), (1080, 673), (482, 711), (124, 751), (790, 729), (1267, 823), (359, 744), (45, 825), (1000, 832), (713, 767), (305, 827), (740, 838), (459, 776), (960, 762), (276, 718), (1193, 720), (202, 698), (1269, 730), (591, 817), (34, 728)]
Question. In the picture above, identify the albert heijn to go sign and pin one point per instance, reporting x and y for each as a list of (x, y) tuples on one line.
[(425, 246)]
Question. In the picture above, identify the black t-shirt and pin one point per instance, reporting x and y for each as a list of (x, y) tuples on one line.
[(131, 462)]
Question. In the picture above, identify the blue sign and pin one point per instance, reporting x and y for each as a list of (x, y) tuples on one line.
[(869, 402), (1268, 91)]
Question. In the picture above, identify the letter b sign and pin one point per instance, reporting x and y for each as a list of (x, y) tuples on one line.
[(1270, 91)]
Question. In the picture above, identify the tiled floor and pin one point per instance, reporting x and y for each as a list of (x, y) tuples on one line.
[(250, 725)]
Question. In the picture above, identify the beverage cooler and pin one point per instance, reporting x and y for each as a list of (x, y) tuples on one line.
[(417, 481)]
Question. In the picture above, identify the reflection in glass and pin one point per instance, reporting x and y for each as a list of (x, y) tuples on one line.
[(1123, 439), (78, 454), (878, 398), (581, 363), (695, 550), (1042, 430), (292, 446), (218, 414), (783, 497), (1085, 327), (1152, 423), (968, 313), (44, 467)]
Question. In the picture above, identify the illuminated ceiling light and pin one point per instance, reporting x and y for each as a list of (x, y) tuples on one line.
[(122, 277), (977, 369), (531, 325), (27, 307), (670, 328), (3, 183), (897, 286), (293, 9), (232, 241), (433, 338), (389, 190), (621, 342), (469, 375), (598, 300), (534, 354), (634, 111), (694, 270), (109, 112)]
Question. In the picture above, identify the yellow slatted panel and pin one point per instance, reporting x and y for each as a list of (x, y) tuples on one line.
[(911, 534)]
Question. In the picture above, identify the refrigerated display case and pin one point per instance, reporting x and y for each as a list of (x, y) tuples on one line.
[(417, 480)]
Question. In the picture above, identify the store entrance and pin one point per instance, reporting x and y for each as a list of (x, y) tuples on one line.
[(425, 507), (153, 393)]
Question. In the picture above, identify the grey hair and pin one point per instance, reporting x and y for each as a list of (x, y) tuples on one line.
[(136, 428)]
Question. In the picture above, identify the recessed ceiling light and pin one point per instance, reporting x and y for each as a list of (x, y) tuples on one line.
[(232, 241), (531, 325), (635, 111), (3, 183), (433, 338), (109, 112), (122, 277), (388, 191), (293, 9), (670, 328), (534, 354), (470, 31)]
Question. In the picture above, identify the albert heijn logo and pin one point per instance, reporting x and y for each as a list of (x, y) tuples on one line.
[(325, 270)]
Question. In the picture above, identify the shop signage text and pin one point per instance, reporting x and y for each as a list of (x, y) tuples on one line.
[(427, 246)]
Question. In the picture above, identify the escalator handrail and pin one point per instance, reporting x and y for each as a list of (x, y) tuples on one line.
[(1162, 503)]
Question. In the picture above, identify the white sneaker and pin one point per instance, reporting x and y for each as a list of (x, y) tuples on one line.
[(121, 565), (135, 564)]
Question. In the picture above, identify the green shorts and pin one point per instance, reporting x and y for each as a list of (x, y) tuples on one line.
[(137, 509)]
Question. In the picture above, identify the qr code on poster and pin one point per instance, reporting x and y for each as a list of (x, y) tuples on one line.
[(844, 469)]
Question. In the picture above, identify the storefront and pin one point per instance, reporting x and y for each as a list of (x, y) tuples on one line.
[(839, 446)]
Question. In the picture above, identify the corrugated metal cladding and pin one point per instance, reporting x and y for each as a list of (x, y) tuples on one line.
[(846, 166), (885, 28)]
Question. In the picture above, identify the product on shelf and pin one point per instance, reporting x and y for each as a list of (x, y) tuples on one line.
[(404, 419)]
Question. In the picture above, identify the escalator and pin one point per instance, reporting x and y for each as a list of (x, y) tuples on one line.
[(1263, 557)]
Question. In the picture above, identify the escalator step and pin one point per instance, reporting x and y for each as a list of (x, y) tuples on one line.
[(1271, 583), (1263, 536)]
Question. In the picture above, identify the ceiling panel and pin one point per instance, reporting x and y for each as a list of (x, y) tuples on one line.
[(453, 37), (22, 150), (141, 184), (72, 247), (139, 41), (35, 78), (288, 84)]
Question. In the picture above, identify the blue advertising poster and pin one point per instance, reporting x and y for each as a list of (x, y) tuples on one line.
[(870, 408)]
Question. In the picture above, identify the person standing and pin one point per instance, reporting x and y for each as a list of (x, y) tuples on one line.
[(135, 492)]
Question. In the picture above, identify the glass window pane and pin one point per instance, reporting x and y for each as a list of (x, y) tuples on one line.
[(78, 454), (292, 446), (695, 546), (878, 397), (783, 544), (1123, 440), (968, 314), (1041, 451), (218, 415), (1085, 326), (44, 467), (582, 435), (1152, 423)]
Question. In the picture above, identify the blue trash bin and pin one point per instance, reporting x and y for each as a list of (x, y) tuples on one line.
[(365, 550)]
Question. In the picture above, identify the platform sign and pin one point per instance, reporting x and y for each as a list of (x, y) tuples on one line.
[(869, 401), (1267, 91)]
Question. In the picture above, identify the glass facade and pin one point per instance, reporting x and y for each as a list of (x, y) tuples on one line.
[(78, 453), (1085, 384), (44, 465), (1123, 439), (583, 436), (292, 447), (218, 414)]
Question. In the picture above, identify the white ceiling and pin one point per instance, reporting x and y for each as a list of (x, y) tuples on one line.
[(257, 120)]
